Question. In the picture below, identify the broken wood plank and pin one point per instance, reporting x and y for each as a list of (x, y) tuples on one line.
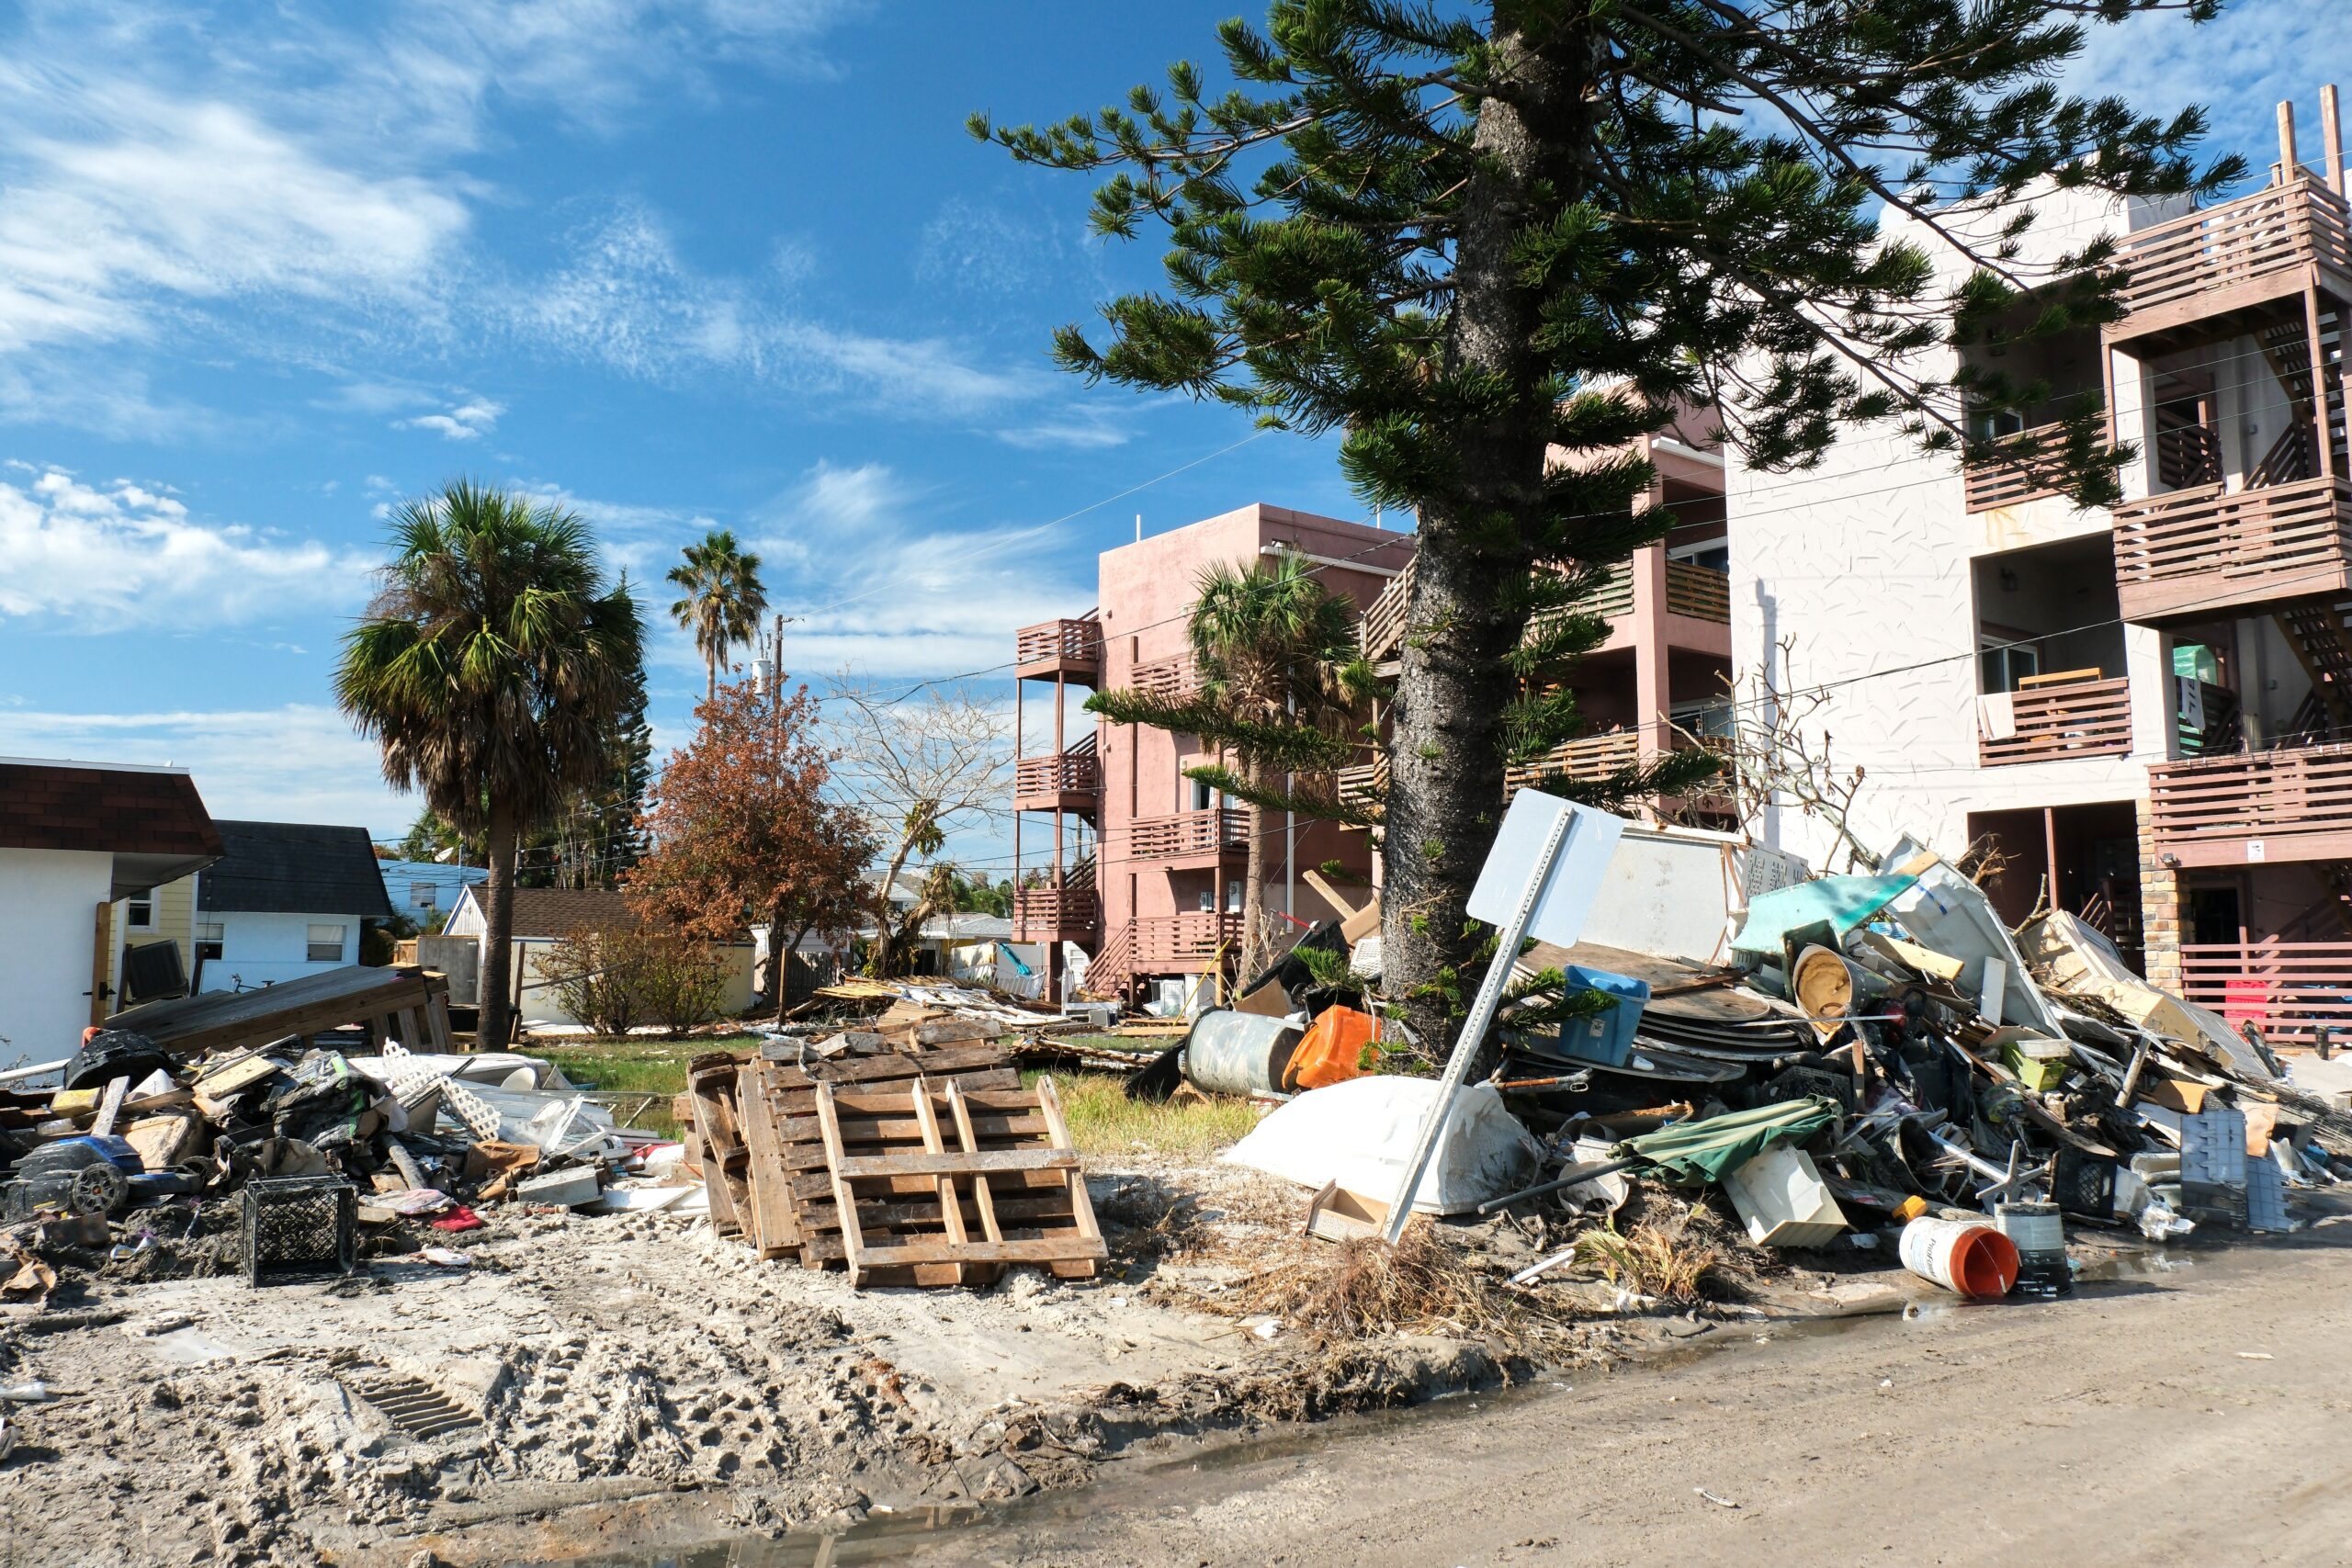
[(1049, 1101), (846, 1203)]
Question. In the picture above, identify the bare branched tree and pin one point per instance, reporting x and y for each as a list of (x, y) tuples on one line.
[(1778, 753), (922, 768)]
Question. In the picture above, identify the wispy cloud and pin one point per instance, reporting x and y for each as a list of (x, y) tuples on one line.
[(97, 558), (467, 422), (2238, 66), (626, 299)]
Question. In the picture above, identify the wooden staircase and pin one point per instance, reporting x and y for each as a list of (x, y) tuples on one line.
[(2316, 630), (2286, 348), (1109, 971)]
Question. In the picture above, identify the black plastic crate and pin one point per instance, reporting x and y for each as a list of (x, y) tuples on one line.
[(299, 1227)]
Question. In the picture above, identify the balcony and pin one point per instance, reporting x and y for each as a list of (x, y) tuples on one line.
[(2290, 990), (1190, 840), (1071, 650), (2057, 717), (2014, 479), (1073, 912), (2254, 806), (1171, 679), (2201, 550), (1381, 632), (1066, 781), (1188, 943), (2258, 248)]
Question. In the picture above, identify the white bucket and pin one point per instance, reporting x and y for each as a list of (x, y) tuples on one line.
[(1960, 1255)]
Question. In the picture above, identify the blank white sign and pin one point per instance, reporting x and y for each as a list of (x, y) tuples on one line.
[(1574, 877)]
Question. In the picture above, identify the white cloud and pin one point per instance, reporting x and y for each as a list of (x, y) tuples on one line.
[(1082, 429), (2238, 66), (102, 558), (975, 248), (126, 204), (627, 299), (467, 422), (302, 762)]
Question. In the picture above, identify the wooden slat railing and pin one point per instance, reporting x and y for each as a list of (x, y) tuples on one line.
[(1170, 680), (2272, 795), (1056, 914), (1218, 831), (1192, 941), (2290, 990), (2077, 718), (1075, 771), (1076, 640), (2272, 230), (1698, 592), (1586, 757), (1113, 966), (1382, 632), (2203, 533), (2013, 479)]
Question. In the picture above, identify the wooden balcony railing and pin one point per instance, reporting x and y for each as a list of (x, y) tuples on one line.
[(1188, 942), (2080, 717), (2261, 806), (1069, 913), (1698, 592), (1189, 835), (2290, 990), (2205, 549), (1170, 680), (2271, 232), (1075, 771), (1586, 757), (1381, 632), (1071, 646), (2014, 479)]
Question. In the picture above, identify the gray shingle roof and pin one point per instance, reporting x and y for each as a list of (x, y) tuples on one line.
[(295, 868)]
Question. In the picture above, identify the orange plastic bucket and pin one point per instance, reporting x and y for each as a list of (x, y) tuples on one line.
[(1975, 1259)]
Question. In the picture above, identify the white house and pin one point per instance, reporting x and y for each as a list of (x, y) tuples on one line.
[(75, 837), (288, 899), (545, 916)]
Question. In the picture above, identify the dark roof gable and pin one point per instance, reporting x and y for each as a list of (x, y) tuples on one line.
[(295, 868), (83, 806)]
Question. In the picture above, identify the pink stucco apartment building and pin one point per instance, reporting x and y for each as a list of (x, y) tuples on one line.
[(1141, 867)]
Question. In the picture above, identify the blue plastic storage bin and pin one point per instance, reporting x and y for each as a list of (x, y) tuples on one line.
[(1606, 1037)]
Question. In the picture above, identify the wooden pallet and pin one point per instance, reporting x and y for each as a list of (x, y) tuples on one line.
[(711, 1083), (905, 1203)]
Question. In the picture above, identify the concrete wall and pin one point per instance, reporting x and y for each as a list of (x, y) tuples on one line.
[(49, 904), (1146, 592), (1865, 564), (268, 949)]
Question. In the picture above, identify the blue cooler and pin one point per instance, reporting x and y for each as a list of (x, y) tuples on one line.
[(1606, 1038)]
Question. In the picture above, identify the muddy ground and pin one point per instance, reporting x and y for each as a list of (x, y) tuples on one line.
[(624, 1380)]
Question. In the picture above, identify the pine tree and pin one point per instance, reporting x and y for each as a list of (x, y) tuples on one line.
[(1479, 241)]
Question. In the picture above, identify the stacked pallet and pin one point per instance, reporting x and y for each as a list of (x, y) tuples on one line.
[(930, 1167)]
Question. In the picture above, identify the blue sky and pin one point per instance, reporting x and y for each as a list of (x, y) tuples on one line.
[(728, 262)]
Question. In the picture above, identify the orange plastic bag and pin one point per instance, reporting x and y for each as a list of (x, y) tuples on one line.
[(1333, 1049)]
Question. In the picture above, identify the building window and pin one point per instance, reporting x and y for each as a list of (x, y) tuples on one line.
[(139, 915), (425, 895), (208, 939), (326, 943)]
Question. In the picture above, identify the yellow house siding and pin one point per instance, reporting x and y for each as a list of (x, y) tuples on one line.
[(175, 922)]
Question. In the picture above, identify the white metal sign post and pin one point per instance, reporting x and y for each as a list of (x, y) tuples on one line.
[(1551, 905)]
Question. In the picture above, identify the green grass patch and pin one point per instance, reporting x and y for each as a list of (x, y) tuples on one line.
[(1104, 1120), (636, 1067)]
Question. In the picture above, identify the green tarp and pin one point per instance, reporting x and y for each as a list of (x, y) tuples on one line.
[(1691, 1154), (1844, 901)]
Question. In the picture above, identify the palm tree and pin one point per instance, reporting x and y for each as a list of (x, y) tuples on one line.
[(1279, 677), (724, 600), (490, 668)]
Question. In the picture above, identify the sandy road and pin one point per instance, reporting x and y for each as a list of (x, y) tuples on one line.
[(2194, 1415)]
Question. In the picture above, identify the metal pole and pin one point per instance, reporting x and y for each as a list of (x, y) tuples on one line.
[(1474, 1028)]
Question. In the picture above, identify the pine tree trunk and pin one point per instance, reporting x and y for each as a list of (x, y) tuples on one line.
[(1255, 949), (495, 1015), (1445, 793)]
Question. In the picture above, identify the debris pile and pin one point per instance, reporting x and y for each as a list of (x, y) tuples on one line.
[(288, 1132), (1850, 1060)]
